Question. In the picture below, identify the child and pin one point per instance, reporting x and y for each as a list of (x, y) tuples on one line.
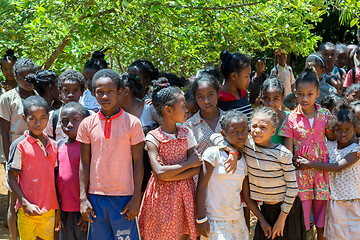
[(330, 101), (328, 52), (304, 131), (7, 67), (335, 81), (353, 76), (257, 79), (31, 175), (352, 93), (342, 56), (272, 95), (67, 181), (343, 209), (282, 71), (12, 123), (191, 104), (111, 166), (355, 106), (219, 205), (94, 64), (168, 207), (236, 70), (212, 72), (72, 86)]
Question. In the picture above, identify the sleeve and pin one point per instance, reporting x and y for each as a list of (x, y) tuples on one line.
[(5, 112), (292, 78), (49, 127), (151, 138), (15, 158), (83, 134), (191, 140), (349, 79), (288, 101), (137, 134), (155, 116), (211, 156), (290, 181), (273, 72), (218, 140), (286, 129)]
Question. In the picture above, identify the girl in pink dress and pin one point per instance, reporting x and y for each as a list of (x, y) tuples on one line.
[(168, 208), (304, 130)]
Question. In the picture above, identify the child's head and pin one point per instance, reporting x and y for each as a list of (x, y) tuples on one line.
[(316, 61), (169, 101), (328, 51), (174, 80), (36, 114), (7, 63), (342, 53), (146, 71), (132, 84), (71, 85), (236, 69), (343, 123), (272, 93), (107, 85), (71, 116), (206, 93), (307, 89), (211, 72), (191, 104), (45, 83), (281, 57), (355, 106), (330, 101), (263, 125), (260, 64), (94, 64), (335, 81), (353, 93), (234, 128), (22, 68), (357, 51)]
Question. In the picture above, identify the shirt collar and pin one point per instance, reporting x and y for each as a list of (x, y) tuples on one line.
[(103, 117), (283, 68), (32, 140), (298, 109), (196, 119)]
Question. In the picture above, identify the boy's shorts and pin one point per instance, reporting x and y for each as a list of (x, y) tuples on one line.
[(109, 224), (70, 230), (31, 227)]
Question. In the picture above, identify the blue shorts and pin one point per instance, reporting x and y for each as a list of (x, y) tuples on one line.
[(109, 224)]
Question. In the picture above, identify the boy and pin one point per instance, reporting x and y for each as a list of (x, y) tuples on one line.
[(67, 181), (111, 166), (353, 76), (31, 176), (257, 79), (283, 72)]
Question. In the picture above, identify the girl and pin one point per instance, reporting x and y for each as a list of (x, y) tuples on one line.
[(328, 51), (236, 70), (94, 64), (352, 93), (272, 94), (257, 79), (304, 130), (12, 123), (7, 63), (168, 207), (343, 209), (355, 106), (219, 205)]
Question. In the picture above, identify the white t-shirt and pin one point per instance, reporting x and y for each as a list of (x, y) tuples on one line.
[(89, 101), (223, 200), (191, 141), (149, 118), (311, 121)]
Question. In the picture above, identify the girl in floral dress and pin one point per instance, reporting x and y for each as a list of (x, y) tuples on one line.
[(304, 130), (168, 207)]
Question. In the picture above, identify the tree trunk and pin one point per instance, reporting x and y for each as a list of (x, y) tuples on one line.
[(54, 55)]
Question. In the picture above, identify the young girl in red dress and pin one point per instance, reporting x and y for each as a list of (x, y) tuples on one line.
[(168, 208)]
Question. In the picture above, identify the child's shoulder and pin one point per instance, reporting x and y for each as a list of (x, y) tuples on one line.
[(11, 94), (283, 151)]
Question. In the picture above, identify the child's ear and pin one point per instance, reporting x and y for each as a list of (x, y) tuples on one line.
[(167, 110), (222, 133), (295, 92), (283, 97), (120, 91), (24, 117), (273, 131), (318, 93)]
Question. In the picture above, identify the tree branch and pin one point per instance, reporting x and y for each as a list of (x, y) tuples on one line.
[(207, 8)]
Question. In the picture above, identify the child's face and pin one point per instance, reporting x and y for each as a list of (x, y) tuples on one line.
[(179, 110), (306, 94), (242, 78), (260, 66), (319, 69), (357, 114), (7, 69), (272, 98), (206, 97), (88, 74), (281, 59), (329, 54), (354, 96), (236, 132), (20, 78), (192, 108), (339, 87), (107, 94), (342, 59), (344, 131), (71, 91), (262, 129), (36, 120), (70, 121), (145, 80)]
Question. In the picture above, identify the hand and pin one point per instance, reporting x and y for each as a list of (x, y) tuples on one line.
[(132, 208), (159, 159), (266, 228), (84, 225), (278, 228), (57, 220), (33, 210), (231, 163), (302, 163), (196, 162), (204, 228), (86, 209)]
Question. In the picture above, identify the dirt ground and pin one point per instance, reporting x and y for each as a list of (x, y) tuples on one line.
[(4, 233)]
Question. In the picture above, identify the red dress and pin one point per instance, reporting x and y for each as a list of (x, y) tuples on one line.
[(168, 207)]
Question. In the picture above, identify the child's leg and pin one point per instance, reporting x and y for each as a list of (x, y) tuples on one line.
[(307, 210), (11, 216), (45, 225), (70, 229), (319, 207)]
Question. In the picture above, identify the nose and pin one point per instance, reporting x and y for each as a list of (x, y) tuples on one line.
[(70, 125), (70, 95), (206, 100), (105, 96)]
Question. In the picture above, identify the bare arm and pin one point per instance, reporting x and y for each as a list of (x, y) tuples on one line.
[(184, 175), (5, 132), (288, 143)]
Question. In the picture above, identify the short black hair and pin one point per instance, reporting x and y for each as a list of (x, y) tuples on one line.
[(77, 106), (72, 75), (34, 101), (273, 82), (308, 75), (108, 73), (174, 80), (331, 101), (22, 65), (316, 58), (205, 79), (133, 82), (343, 113), (325, 45), (146, 67), (231, 116), (353, 88), (42, 79)]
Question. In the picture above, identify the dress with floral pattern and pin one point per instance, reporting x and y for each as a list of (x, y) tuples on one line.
[(309, 142), (168, 209)]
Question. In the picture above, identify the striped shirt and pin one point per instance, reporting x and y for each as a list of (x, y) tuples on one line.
[(272, 175)]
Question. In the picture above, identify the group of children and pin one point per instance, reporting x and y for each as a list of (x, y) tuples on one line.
[(130, 156)]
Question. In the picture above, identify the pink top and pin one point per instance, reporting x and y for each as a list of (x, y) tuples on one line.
[(111, 168), (35, 164), (67, 181), (349, 80)]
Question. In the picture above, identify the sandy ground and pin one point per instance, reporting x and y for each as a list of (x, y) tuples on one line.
[(4, 233)]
